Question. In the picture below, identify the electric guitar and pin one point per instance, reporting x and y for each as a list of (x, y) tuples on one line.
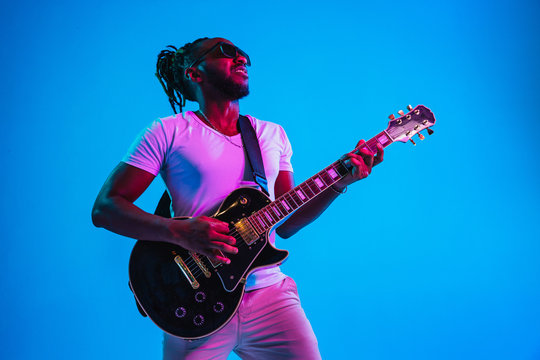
[(190, 295)]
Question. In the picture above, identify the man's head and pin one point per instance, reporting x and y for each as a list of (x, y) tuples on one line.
[(212, 66)]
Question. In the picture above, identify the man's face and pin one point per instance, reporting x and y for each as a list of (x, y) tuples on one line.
[(226, 74)]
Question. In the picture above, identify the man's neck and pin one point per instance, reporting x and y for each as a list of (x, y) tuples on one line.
[(223, 115)]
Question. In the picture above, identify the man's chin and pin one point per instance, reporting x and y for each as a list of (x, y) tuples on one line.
[(243, 94), (236, 91)]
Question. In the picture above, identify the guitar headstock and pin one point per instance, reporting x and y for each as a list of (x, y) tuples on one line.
[(407, 125)]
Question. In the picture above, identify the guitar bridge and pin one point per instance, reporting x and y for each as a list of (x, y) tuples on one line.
[(201, 265), (187, 273), (246, 231)]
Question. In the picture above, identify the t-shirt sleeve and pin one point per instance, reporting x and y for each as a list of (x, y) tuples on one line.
[(286, 153), (149, 150)]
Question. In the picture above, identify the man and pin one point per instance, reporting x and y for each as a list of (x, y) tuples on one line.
[(201, 159)]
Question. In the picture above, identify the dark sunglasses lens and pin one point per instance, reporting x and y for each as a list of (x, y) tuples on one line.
[(232, 51), (228, 50)]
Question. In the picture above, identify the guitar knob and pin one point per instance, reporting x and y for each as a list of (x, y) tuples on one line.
[(200, 297), (413, 142), (198, 320), (422, 137), (391, 117), (180, 312), (219, 307), (430, 132), (401, 112), (409, 107)]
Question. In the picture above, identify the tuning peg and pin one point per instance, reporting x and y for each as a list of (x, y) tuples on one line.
[(401, 112), (409, 107), (391, 117), (422, 137), (411, 140), (430, 132)]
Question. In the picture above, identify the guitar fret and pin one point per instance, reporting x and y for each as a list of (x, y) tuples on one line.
[(276, 211), (287, 197), (313, 186), (319, 182), (264, 220), (296, 198), (341, 169), (275, 214), (333, 173), (305, 188), (270, 210), (287, 205), (326, 178), (259, 222), (253, 221), (282, 205), (307, 185), (371, 145), (268, 216), (302, 194)]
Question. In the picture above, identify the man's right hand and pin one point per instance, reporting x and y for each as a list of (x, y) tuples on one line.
[(114, 210), (203, 235)]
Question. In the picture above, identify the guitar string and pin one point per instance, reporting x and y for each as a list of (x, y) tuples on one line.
[(241, 243), (297, 202), (197, 271)]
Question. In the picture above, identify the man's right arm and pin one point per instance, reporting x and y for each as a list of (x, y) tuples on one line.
[(115, 210)]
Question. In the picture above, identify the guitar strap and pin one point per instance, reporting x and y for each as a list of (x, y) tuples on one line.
[(253, 151), (254, 163)]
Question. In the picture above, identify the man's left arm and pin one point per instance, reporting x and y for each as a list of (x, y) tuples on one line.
[(362, 162)]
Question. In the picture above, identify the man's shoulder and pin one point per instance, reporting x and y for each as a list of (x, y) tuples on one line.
[(175, 119), (168, 124)]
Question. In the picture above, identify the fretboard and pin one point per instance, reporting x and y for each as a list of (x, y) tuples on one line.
[(273, 213)]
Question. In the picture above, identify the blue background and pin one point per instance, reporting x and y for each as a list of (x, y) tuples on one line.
[(435, 256)]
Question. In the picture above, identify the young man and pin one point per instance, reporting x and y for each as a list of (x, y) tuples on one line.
[(201, 159)]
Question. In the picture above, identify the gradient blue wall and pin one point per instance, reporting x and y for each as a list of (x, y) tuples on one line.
[(435, 256)]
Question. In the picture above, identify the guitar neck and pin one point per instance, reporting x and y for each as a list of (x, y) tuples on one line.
[(273, 213)]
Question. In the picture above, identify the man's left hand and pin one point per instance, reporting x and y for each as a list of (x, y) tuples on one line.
[(363, 162)]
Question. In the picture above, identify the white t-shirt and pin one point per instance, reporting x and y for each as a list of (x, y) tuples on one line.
[(201, 166)]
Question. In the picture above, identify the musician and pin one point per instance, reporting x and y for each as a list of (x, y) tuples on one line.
[(200, 157)]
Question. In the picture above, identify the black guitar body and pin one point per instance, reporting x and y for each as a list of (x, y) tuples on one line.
[(186, 294)]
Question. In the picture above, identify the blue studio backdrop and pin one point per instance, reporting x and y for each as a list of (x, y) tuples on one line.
[(434, 256)]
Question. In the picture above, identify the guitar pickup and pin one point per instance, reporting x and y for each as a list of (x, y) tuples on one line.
[(187, 273), (246, 231)]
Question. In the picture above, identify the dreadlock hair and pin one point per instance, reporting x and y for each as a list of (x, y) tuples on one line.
[(170, 69)]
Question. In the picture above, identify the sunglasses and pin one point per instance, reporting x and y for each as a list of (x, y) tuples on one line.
[(227, 50)]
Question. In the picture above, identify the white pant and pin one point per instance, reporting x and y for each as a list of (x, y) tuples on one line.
[(269, 324)]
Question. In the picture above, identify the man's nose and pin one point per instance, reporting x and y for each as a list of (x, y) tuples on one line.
[(240, 59)]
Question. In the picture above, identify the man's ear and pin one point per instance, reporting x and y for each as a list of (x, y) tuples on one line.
[(193, 74)]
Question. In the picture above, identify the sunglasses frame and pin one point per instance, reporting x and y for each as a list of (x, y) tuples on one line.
[(220, 44)]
